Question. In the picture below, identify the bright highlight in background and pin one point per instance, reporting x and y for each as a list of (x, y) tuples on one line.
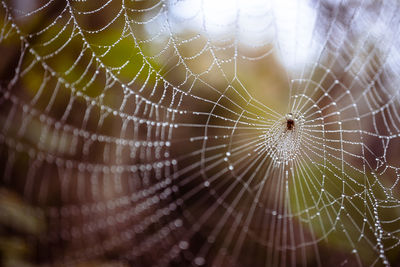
[(289, 24)]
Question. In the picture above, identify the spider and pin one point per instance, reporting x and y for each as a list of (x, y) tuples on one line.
[(289, 122)]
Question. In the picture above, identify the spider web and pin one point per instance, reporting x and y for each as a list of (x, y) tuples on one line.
[(155, 133)]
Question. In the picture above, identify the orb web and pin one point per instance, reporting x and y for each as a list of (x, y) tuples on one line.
[(244, 133)]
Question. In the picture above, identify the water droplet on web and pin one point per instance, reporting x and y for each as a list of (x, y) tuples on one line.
[(199, 261), (183, 245)]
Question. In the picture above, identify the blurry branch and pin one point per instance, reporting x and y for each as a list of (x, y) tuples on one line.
[(18, 221)]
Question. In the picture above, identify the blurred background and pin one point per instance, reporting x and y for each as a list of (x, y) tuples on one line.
[(156, 133)]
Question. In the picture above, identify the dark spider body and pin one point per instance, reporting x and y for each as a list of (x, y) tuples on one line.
[(289, 124)]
